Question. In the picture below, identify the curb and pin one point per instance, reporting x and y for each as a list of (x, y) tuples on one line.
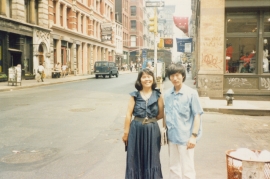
[(249, 112), (38, 85)]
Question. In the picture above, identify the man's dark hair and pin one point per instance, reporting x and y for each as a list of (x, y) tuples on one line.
[(138, 84), (176, 68)]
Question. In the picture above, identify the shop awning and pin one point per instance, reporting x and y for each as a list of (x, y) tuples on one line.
[(14, 50)]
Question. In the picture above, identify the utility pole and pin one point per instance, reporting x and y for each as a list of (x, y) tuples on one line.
[(153, 28)]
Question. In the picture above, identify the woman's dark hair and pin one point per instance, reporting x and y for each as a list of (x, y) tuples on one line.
[(176, 68), (138, 84)]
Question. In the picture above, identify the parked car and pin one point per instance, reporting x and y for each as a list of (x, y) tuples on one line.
[(105, 68)]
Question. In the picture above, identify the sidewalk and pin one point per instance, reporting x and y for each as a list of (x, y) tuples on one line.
[(240, 107), (47, 81)]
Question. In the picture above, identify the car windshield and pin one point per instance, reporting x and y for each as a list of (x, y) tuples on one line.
[(99, 64)]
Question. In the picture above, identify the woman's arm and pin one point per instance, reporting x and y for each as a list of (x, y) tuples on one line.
[(160, 108), (128, 118)]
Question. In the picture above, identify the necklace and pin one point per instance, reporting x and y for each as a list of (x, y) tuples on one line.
[(146, 97)]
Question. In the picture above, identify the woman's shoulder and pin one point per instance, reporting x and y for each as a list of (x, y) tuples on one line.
[(134, 93)]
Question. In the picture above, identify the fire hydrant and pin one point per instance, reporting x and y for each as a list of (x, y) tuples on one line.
[(229, 97)]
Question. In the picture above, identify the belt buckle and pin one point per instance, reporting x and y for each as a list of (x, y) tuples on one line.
[(145, 120)]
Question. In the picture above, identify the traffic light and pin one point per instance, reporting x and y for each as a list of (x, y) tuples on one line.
[(161, 43), (153, 23)]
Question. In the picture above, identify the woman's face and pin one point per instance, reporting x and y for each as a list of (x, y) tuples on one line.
[(146, 80)]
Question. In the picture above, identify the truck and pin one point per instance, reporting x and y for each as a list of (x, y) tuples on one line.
[(164, 58), (162, 55)]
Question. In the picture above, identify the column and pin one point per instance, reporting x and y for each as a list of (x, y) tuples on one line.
[(3, 10), (91, 59), (94, 28), (73, 57), (84, 58), (79, 59), (79, 22), (32, 12), (65, 16), (91, 27), (50, 13), (58, 51), (211, 48)]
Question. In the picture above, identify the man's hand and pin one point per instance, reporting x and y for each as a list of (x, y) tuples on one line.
[(125, 138), (191, 143)]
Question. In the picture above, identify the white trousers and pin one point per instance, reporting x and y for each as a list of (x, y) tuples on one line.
[(181, 162)]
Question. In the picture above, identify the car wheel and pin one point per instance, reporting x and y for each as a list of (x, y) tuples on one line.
[(116, 75), (96, 76), (103, 76), (110, 75)]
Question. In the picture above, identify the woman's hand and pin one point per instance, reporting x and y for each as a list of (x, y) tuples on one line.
[(125, 138)]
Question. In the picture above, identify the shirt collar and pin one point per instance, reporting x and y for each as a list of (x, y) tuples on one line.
[(181, 91)]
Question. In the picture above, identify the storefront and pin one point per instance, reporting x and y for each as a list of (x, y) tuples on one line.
[(231, 39), (247, 55)]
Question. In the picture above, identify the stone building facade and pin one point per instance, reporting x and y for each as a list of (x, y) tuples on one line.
[(76, 33), (24, 35), (232, 46)]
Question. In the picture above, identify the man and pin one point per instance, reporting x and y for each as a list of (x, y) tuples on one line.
[(40, 71), (183, 118), (149, 66), (64, 68)]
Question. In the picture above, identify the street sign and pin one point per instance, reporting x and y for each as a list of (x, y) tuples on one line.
[(154, 4)]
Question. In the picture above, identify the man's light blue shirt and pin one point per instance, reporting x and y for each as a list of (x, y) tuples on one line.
[(180, 109)]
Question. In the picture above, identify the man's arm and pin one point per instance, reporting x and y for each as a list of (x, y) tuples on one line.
[(196, 126)]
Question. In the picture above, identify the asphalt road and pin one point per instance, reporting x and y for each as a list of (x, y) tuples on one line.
[(74, 130)]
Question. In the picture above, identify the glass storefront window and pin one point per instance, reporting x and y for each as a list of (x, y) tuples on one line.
[(266, 55), (241, 55), (266, 22), (242, 22)]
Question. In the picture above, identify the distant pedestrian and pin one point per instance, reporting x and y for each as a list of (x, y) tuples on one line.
[(149, 66), (142, 135), (64, 68), (183, 118), (131, 67), (40, 73)]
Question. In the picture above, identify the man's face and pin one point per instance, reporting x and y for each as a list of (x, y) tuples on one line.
[(177, 79)]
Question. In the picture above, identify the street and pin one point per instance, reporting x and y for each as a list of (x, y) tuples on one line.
[(74, 130)]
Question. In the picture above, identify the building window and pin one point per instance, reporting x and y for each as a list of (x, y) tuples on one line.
[(68, 17), (242, 22), (266, 22), (132, 41), (241, 55), (82, 17), (54, 12), (26, 9), (61, 14), (242, 42), (133, 24), (133, 10)]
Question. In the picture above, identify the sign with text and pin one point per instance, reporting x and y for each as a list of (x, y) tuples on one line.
[(168, 42), (184, 45), (154, 4), (106, 32)]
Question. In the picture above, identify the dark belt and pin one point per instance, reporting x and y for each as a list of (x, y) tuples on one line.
[(145, 120)]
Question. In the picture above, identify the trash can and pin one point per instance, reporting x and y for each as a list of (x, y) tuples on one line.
[(246, 169)]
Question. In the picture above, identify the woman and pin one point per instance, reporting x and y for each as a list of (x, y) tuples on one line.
[(142, 135)]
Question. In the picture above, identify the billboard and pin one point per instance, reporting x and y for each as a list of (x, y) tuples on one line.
[(184, 45), (106, 32)]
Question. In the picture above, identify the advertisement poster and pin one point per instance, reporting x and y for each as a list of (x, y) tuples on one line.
[(182, 47)]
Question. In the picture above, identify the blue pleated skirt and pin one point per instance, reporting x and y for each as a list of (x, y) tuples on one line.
[(143, 161)]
